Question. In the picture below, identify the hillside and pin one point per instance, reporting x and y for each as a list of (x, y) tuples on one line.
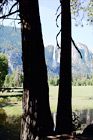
[(84, 65), (10, 45)]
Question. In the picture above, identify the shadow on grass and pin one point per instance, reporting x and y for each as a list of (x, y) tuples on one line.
[(8, 101), (11, 95), (9, 125), (7, 104), (10, 129)]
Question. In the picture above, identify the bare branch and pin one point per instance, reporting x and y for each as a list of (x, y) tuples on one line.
[(57, 19), (9, 14), (13, 7), (72, 42), (57, 39), (13, 18), (3, 2), (76, 47), (57, 9), (61, 2)]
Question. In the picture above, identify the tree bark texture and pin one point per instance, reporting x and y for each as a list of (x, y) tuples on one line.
[(36, 120), (64, 110)]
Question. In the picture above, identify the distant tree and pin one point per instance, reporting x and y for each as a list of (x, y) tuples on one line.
[(79, 83), (83, 80), (54, 81), (3, 68), (12, 77), (92, 77), (15, 79), (7, 81)]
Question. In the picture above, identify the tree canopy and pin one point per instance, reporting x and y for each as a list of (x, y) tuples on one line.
[(82, 10)]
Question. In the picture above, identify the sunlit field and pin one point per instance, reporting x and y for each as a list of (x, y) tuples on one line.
[(11, 108), (82, 97)]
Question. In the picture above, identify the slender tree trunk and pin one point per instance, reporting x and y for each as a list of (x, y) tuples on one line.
[(37, 120), (64, 111)]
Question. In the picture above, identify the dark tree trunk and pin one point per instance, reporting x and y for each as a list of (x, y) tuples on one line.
[(36, 120), (64, 111)]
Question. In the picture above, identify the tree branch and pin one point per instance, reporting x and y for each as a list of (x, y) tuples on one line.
[(57, 40), (57, 19), (57, 9), (2, 17), (13, 18), (13, 7), (76, 47)]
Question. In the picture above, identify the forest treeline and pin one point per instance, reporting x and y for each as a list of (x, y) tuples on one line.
[(77, 80), (16, 79), (82, 79)]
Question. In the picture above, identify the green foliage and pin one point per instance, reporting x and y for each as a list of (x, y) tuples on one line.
[(77, 80), (7, 81), (54, 81), (82, 10), (14, 80), (82, 80), (3, 68)]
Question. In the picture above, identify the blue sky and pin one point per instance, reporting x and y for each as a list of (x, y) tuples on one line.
[(80, 34), (48, 9)]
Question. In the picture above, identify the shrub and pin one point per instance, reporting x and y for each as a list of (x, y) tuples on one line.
[(54, 81), (3, 68), (76, 122), (3, 117)]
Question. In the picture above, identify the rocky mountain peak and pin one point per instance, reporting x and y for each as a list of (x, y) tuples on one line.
[(87, 54), (84, 65), (10, 45)]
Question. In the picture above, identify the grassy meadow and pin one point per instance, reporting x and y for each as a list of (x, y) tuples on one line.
[(11, 108), (82, 98)]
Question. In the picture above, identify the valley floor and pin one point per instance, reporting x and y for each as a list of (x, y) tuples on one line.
[(82, 99)]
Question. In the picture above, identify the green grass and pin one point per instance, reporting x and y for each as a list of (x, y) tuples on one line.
[(12, 105), (13, 109), (82, 97), (53, 94)]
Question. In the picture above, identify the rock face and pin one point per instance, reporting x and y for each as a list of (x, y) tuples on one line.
[(52, 60), (10, 45), (84, 65)]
